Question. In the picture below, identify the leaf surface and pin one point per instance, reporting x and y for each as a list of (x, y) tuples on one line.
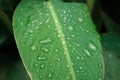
[(58, 41)]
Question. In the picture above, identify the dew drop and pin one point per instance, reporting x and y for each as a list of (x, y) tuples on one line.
[(50, 75), (58, 59), (92, 46), (40, 76), (63, 42), (56, 50), (99, 79), (21, 9), (46, 40), (73, 35), (68, 65), (42, 58), (80, 19), (35, 65), (100, 65), (42, 66), (30, 31), (70, 28), (21, 23), (87, 52), (33, 47), (61, 72), (45, 49), (81, 68), (77, 57)]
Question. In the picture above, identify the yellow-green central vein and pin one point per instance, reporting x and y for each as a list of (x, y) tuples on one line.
[(61, 35)]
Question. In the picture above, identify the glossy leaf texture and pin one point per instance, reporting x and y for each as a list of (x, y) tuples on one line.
[(58, 41)]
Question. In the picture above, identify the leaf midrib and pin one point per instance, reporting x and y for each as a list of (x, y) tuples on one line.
[(62, 38)]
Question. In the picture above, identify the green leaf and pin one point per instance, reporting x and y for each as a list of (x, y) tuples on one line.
[(57, 43), (111, 42), (112, 66)]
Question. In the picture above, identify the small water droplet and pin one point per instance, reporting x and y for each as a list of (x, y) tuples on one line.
[(30, 31), (61, 72), (81, 68), (41, 76), (56, 50), (109, 55), (35, 65), (77, 71), (42, 58), (100, 65), (70, 28), (21, 23), (63, 42), (86, 73), (21, 9), (45, 49), (73, 35), (99, 79), (50, 75), (82, 58), (33, 47), (68, 77), (80, 19), (42, 66), (92, 46), (46, 40), (68, 65), (87, 52), (77, 57), (58, 59)]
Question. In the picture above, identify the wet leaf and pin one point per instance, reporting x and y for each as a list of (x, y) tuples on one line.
[(57, 43), (112, 65), (111, 42)]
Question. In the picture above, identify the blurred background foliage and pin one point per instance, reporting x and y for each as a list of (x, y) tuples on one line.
[(106, 17)]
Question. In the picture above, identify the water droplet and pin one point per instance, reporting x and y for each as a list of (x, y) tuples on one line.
[(87, 52), (42, 66), (86, 73), (73, 35), (77, 71), (33, 47), (45, 49), (82, 58), (100, 65), (30, 31), (63, 42), (68, 65), (58, 59), (99, 79), (21, 9), (109, 55), (50, 75), (68, 77), (21, 23), (77, 44), (42, 58), (61, 72), (80, 19), (46, 40), (81, 68), (70, 28), (92, 46), (77, 57), (35, 65), (56, 50), (41, 76)]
